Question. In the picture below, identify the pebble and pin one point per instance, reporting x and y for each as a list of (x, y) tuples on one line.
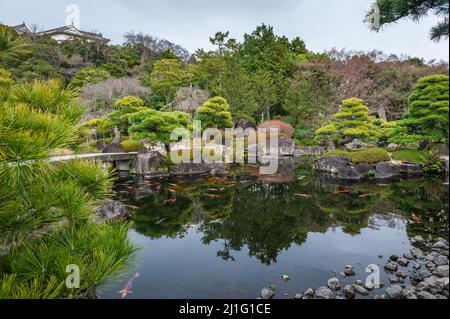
[(360, 290), (425, 295), (349, 271), (419, 239), (409, 256), (349, 292), (298, 296), (440, 260), (441, 271), (403, 262), (395, 280), (417, 266), (334, 284), (394, 258), (324, 293), (395, 292), (267, 293), (391, 267), (416, 252)]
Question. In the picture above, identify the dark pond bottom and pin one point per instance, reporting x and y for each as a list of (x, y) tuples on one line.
[(231, 237)]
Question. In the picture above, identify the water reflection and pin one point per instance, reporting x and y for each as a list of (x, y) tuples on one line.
[(269, 214)]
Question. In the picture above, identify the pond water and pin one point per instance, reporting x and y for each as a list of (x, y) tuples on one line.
[(230, 237)]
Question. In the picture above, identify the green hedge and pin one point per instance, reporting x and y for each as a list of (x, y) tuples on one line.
[(368, 156)]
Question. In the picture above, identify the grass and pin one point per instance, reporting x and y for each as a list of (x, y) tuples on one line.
[(410, 156), (368, 156)]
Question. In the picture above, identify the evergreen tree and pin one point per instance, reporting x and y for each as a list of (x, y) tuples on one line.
[(215, 113), (353, 121), (427, 119), (392, 11)]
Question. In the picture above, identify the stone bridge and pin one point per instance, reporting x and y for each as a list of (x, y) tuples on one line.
[(119, 160)]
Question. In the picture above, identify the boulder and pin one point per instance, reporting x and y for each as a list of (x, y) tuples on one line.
[(441, 271), (395, 292), (411, 169), (332, 164), (350, 173), (110, 210), (349, 292), (323, 293), (286, 146), (386, 170), (114, 147), (334, 284), (309, 151), (356, 144), (147, 162), (198, 168), (267, 293)]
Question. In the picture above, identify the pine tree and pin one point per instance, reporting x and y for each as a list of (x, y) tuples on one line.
[(427, 119), (352, 122), (215, 113)]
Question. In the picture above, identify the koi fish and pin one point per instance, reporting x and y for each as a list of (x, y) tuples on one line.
[(158, 188), (212, 179), (304, 195), (174, 185), (172, 200), (172, 190), (345, 191), (416, 218), (364, 195), (127, 288)]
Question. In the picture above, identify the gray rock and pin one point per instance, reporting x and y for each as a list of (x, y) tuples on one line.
[(334, 284), (409, 293), (419, 239), (403, 262), (393, 146), (386, 170), (359, 283), (401, 274), (332, 164), (298, 296), (441, 271), (286, 146), (349, 271), (324, 293), (409, 256), (425, 295), (110, 210), (309, 292), (356, 144), (440, 260), (267, 293), (360, 290), (147, 162), (114, 147), (416, 252), (395, 280), (417, 266), (198, 168), (395, 292), (246, 124), (391, 267), (440, 245), (309, 151), (394, 258), (349, 292), (411, 169)]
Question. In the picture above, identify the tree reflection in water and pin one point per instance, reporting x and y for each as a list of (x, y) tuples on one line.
[(267, 215)]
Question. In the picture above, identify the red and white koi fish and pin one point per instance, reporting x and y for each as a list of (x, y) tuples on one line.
[(127, 289), (172, 200)]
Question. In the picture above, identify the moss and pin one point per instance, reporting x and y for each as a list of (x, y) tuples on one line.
[(368, 156), (410, 156)]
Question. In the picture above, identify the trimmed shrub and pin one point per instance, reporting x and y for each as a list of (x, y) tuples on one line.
[(368, 156)]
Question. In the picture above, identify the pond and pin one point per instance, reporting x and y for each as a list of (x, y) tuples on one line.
[(230, 237)]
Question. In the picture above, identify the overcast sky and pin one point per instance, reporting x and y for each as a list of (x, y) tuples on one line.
[(323, 24)]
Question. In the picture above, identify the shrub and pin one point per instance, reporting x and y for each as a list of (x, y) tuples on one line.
[(89, 75), (215, 113), (132, 146), (368, 156)]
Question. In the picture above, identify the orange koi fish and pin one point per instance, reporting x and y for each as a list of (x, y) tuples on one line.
[(127, 289), (344, 191)]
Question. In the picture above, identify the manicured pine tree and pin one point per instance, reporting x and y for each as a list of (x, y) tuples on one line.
[(215, 113), (427, 119)]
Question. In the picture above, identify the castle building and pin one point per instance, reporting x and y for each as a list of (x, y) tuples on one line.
[(65, 33)]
